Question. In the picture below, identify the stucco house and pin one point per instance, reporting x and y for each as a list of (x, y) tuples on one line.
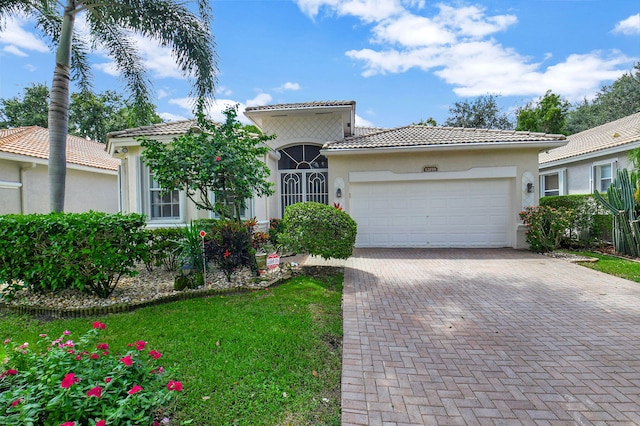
[(590, 159), (414, 186), (92, 174)]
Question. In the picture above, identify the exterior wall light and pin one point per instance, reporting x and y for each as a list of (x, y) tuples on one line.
[(530, 188), (339, 193)]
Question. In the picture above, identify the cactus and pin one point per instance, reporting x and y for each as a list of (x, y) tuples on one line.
[(620, 201)]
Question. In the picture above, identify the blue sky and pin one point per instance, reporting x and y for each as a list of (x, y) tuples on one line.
[(400, 60)]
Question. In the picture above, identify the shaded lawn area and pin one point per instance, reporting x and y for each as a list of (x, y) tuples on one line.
[(266, 357), (612, 265)]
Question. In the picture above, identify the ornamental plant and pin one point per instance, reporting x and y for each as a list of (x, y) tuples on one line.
[(546, 227), (82, 382), (230, 247)]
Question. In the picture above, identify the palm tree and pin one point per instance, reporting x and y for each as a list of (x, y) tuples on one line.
[(110, 24)]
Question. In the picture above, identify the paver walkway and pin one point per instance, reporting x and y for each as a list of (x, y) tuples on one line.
[(487, 337)]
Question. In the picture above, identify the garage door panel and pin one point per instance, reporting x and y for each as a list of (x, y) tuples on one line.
[(465, 213)]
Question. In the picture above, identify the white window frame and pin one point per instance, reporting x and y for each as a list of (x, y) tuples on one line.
[(146, 191), (249, 212), (562, 186), (596, 174)]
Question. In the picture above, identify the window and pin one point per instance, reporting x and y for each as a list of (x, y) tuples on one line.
[(158, 206), (552, 183), (603, 174), (246, 213)]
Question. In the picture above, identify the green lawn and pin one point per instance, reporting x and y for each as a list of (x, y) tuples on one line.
[(613, 265), (269, 357)]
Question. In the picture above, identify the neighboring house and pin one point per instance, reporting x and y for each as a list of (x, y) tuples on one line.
[(413, 186), (92, 174), (590, 159)]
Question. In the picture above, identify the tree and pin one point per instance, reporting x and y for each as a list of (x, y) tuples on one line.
[(31, 110), (547, 115), (483, 113), (428, 122), (223, 159), (94, 115), (109, 24), (620, 99)]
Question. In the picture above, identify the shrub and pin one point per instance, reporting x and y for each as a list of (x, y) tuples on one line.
[(276, 228), (591, 222), (82, 383), (547, 227), (163, 247), (318, 229), (85, 251), (230, 247)]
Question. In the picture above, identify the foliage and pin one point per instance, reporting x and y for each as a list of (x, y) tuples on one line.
[(81, 381), (547, 115), (163, 247), (236, 355), (612, 102), (620, 201), (94, 115), (547, 227), (613, 265), (90, 115), (189, 250), (31, 110), (276, 228), (230, 247), (591, 223), (482, 113), (318, 229), (428, 122), (112, 26), (222, 159), (85, 251)]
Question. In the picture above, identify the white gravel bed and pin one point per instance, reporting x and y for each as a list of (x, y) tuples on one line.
[(144, 287)]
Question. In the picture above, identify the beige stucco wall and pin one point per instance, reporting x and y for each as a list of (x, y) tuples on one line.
[(414, 161), (85, 189)]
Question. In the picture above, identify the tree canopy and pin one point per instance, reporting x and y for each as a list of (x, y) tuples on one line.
[(90, 115), (220, 159), (547, 115), (483, 113), (111, 24)]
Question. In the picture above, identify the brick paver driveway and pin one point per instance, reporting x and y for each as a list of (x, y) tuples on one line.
[(487, 337)]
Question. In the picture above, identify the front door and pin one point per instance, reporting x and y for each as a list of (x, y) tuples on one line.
[(303, 175)]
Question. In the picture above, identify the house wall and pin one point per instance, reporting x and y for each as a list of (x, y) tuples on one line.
[(524, 161), (10, 187), (578, 174)]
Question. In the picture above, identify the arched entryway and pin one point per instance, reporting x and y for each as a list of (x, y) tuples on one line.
[(303, 175)]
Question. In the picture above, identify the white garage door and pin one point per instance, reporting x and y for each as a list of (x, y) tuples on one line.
[(455, 213)]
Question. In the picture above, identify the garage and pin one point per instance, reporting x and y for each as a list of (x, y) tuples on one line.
[(449, 213)]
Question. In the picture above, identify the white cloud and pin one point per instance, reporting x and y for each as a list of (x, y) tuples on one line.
[(167, 116), (457, 45), (14, 50), (214, 111), (109, 68), (363, 122), (30, 67), (629, 26), (18, 39), (222, 90), (162, 93), (288, 86), (260, 100)]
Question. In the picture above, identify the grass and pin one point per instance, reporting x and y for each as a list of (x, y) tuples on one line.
[(269, 357), (612, 265)]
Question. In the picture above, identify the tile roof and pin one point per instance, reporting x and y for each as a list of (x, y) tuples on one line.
[(302, 105), (610, 135), (33, 141), (416, 135), (160, 129)]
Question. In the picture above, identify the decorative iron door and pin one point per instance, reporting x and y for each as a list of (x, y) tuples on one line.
[(303, 185)]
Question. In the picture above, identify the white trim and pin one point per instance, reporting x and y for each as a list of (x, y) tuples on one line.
[(474, 173), (562, 181), (542, 145), (145, 198), (596, 174), (4, 184)]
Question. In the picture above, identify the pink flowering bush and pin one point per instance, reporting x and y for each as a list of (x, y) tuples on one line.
[(547, 227), (81, 382)]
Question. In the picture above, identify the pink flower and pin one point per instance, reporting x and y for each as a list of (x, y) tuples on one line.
[(6, 341), (16, 402), (174, 386), (102, 346), (107, 379), (135, 389), (11, 372), (78, 357), (68, 424), (68, 381), (140, 344), (218, 158), (154, 354), (95, 356), (66, 332), (126, 360), (101, 423), (99, 325), (95, 391), (42, 335)]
